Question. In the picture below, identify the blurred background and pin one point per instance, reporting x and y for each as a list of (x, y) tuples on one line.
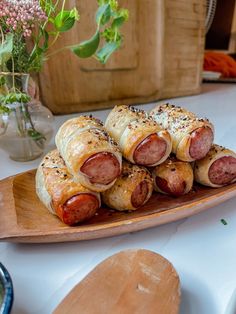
[(170, 47)]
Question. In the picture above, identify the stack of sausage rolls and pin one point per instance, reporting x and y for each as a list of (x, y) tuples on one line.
[(192, 142), (122, 162)]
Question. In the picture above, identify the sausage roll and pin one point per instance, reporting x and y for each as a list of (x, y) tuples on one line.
[(141, 140), (191, 137), (61, 194), (132, 189), (173, 177), (217, 169), (90, 154)]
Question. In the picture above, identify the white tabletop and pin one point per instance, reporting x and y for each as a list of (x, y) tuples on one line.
[(201, 248)]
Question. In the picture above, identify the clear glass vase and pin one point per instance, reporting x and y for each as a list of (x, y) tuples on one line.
[(25, 127)]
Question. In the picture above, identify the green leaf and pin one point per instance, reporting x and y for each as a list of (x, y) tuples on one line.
[(105, 52), (103, 14), (6, 48), (120, 17), (4, 109), (224, 222), (75, 14), (87, 48), (114, 5), (117, 22), (2, 81), (123, 13), (46, 39), (102, 2), (64, 20), (111, 35), (36, 135), (51, 20), (15, 97)]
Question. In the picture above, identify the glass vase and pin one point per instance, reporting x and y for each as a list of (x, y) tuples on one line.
[(26, 127)]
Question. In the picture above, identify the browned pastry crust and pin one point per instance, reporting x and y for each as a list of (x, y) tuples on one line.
[(80, 138), (180, 123), (119, 196), (130, 126), (175, 177), (54, 183), (202, 167)]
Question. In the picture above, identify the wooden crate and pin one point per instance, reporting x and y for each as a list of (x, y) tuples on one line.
[(161, 57)]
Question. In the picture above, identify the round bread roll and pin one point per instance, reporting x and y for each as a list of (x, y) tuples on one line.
[(90, 154), (61, 194), (141, 140), (132, 189), (173, 177), (191, 137), (217, 169)]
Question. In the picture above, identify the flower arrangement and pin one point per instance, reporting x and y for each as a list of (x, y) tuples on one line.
[(43, 21), (29, 29)]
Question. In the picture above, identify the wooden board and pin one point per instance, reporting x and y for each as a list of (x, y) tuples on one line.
[(132, 281), (24, 219), (161, 57), (183, 47)]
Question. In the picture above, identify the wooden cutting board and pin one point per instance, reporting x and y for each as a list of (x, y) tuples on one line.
[(161, 57), (129, 282)]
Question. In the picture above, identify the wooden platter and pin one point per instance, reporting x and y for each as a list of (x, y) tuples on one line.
[(24, 219)]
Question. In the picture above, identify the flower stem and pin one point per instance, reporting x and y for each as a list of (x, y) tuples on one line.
[(54, 40), (63, 6), (2, 35), (13, 74), (58, 50)]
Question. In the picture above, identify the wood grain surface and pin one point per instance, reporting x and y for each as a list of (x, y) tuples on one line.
[(132, 281), (25, 219), (161, 57)]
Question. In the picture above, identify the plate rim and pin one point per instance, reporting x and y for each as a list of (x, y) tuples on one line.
[(116, 227)]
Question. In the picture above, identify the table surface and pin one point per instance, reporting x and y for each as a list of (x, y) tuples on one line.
[(200, 247)]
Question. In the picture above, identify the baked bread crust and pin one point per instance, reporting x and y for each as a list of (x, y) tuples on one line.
[(54, 183), (180, 123), (175, 173), (201, 167), (80, 138), (130, 126), (119, 195)]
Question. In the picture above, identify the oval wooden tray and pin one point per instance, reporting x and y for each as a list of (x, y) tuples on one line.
[(24, 219)]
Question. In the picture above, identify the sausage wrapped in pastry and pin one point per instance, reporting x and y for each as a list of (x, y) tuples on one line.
[(132, 189), (90, 154), (61, 194), (173, 177), (217, 169), (141, 140), (191, 137)]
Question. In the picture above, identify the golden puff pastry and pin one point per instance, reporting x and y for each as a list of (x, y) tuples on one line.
[(191, 137), (141, 140), (132, 189), (61, 194), (90, 154), (173, 177), (217, 169)]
